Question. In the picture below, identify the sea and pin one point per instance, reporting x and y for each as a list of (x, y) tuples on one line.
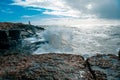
[(82, 40)]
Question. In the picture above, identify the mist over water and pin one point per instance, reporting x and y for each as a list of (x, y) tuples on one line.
[(83, 40)]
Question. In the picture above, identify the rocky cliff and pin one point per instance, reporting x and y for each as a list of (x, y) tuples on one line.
[(9, 25), (12, 34)]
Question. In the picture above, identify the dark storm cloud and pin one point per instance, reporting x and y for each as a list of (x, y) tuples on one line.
[(109, 9)]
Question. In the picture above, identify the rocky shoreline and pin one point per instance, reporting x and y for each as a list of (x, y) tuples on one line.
[(20, 65), (12, 36), (55, 66)]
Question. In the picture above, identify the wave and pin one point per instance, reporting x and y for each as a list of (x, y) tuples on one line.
[(79, 40)]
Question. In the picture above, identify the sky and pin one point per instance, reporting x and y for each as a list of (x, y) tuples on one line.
[(65, 12)]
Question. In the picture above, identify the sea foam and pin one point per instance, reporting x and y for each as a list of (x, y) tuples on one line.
[(86, 41)]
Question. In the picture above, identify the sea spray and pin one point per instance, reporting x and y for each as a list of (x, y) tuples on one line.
[(80, 40), (59, 40)]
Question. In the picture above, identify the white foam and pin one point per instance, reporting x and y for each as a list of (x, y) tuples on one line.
[(78, 40), (59, 39)]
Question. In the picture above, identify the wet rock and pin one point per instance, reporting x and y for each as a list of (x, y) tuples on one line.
[(4, 44), (12, 35), (98, 74), (15, 34), (42, 67), (9, 39), (3, 36), (55, 66), (107, 64), (119, 54)]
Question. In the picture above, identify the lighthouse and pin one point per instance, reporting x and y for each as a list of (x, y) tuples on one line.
[(29, 23)]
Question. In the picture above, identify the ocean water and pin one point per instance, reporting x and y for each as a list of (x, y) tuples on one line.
[(83, 40)]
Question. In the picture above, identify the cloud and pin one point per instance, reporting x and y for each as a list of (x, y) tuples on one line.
[(7, 11), (27, 16), (52, 7), (47, 4), (69, 13), (75, 22), (109, 9)]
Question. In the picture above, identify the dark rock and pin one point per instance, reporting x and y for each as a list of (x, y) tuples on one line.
[(4, 42), (14, 34), (119, 54), (100, 75), (9, 38), (3, 36), (107, 64), (88, 66), (40, 28)]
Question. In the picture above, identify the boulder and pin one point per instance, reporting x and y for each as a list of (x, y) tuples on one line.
[(107, 64)]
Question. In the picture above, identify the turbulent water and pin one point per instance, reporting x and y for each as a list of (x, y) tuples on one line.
[(83, 40)]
